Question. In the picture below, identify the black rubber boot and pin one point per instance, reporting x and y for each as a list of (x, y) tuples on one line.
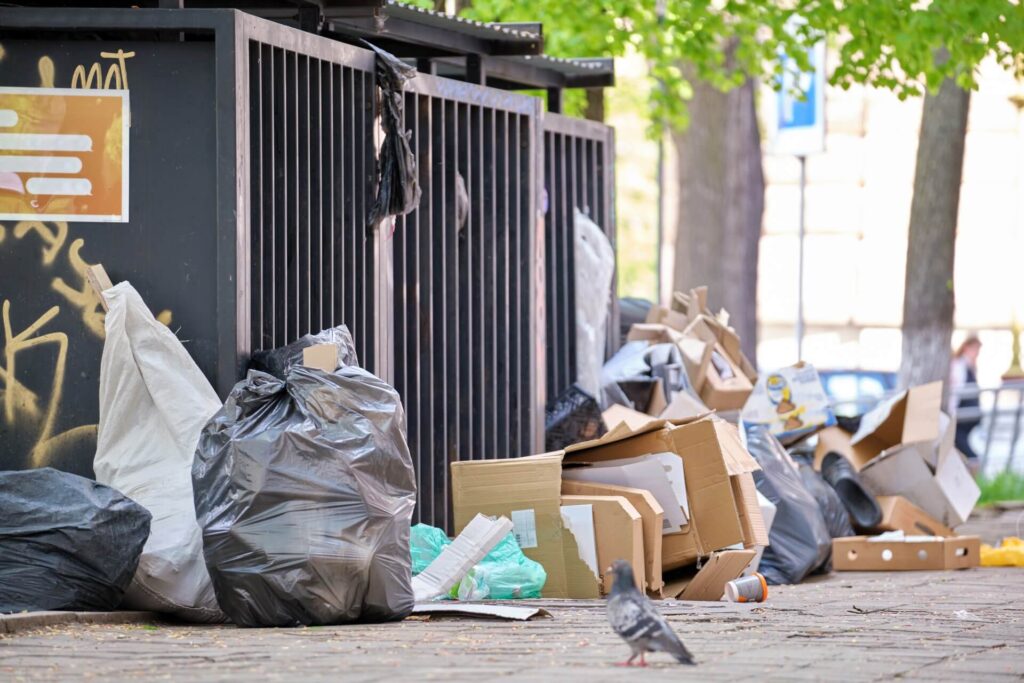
[(862, 506)]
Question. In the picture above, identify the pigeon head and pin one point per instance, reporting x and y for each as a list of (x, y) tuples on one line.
[(623, 573)]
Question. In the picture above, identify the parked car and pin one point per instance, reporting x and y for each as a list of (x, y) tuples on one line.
[(854, 392)]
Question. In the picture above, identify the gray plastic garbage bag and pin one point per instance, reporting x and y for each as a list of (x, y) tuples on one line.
[(799, 542), (66, 542), (304, 489)]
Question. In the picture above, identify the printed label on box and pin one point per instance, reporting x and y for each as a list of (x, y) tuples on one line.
[(525, 522)]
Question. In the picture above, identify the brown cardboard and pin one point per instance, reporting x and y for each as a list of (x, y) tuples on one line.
[(500, 487), (858, 553), (321, 356), (618, 414), (755, 531), (99, 281), (683, 406), (619, 533), (899, 514), (659, 315), (910, 417), (656, 334), (651, 515), (705, 445), (709, 582), (725, 393), (656, 406)]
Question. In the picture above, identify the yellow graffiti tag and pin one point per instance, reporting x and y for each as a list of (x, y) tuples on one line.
[(53, 237), (117, 74), (46, 72), (84, 298), (24, 340)]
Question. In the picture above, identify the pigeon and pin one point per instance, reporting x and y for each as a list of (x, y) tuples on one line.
[(635, 620)]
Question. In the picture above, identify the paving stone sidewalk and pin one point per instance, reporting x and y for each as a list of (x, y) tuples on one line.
[(844, 627)]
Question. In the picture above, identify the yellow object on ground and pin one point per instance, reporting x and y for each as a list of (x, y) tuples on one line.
[(1009, 553)]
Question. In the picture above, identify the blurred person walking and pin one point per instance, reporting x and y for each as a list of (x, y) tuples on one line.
[(963, 379)]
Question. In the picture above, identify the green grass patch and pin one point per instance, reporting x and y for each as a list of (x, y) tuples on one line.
[(1005, 486)]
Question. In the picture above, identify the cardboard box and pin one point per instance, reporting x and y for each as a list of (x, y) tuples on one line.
[(720, 379), (861, 553), (911, 416), (618, 533), (948, 494), (529, 492), (791, 402), (651, 514), (899, 514), (712, 453)]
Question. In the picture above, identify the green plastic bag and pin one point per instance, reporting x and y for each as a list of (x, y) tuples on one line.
[(426, 543), (504, 574)]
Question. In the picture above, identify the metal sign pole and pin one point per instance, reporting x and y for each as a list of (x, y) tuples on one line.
[(800, 266)]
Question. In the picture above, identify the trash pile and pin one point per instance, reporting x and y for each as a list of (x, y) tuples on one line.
[(711, 480), (289, 504)]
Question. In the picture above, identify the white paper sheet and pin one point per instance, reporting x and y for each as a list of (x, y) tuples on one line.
[(645, 473), (579, 519)]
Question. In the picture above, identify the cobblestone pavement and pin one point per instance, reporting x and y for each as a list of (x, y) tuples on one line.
[(848, 626)]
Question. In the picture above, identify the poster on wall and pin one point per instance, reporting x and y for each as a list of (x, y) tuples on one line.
[(64, 154)]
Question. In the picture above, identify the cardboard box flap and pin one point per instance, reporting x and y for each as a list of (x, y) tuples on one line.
[(909, 416), (684, 406), (618, 529), (752, 521), (737, 458), (619, 414), (651, 514), (624, 431), (709, 582), (899, 514), (655, 333)]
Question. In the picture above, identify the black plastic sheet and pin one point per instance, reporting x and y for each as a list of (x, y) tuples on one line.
[(398, 187), (799, 542), (66, 542), (305, 489), (572, 417), (837, 519)]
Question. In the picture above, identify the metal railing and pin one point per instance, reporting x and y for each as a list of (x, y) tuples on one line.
[(1001, 415), (468, 335), (579, 173)]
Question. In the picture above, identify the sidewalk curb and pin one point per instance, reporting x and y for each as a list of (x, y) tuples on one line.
[(28, 621)]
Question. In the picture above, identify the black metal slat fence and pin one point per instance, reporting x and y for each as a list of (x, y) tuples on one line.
[(466, 295), (578, 174)]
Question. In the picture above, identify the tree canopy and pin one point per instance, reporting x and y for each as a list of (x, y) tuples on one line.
[(907, 46)]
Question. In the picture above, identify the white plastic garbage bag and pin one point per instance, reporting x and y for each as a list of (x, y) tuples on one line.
[(595, 266), (154, 401)]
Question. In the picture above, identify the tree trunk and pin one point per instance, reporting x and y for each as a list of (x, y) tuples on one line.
[(928, 291), (721, 203)]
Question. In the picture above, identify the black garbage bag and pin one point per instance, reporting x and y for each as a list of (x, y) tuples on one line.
[(572, 417), (398, 187), (66, 542), (799, 542), (277, 361), (304, 489), (837, 519), (630, 377)]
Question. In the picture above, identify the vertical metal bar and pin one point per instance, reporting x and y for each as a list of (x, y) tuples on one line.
[(351, 228), (464, 335), (424, 279), (366, 233), (475, 274), (490, 380), (529, 227), (537, 391), (513, 264), (501, 280), (281, 194), (550, 242)]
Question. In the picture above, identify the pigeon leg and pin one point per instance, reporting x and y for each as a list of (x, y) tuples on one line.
[(643, 662), (628, 662)]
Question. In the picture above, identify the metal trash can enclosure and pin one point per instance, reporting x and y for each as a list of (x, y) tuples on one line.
[(251, 165), (468, 343), (579, 173)]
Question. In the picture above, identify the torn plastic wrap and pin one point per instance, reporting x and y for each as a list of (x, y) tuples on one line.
[(799, 542), (305, 490), (595, 266), (154, 401), (398, 187), (277, 361), (630, 377), (572, 417), (66, 542)]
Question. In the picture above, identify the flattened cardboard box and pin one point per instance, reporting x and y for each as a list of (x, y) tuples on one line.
[(899, 514), (529, 492), (651, 515), (711, 454), (618, 534), (860, 553)]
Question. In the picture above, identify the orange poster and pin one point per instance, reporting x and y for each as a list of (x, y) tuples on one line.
[(64, 154)]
